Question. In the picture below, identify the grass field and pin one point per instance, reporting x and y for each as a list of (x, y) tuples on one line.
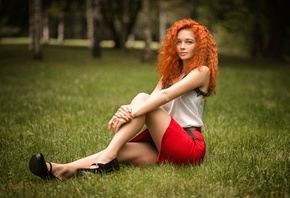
[(61, 107)]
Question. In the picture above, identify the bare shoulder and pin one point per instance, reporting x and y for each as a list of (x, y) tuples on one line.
[(201, 77), (203, 68)]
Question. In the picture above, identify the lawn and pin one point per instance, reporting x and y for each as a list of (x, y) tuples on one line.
[(61, 106)]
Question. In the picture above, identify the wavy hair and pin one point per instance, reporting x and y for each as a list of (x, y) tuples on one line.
[(205, 54)]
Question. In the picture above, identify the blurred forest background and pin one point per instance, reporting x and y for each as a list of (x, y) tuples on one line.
[(257, 29)]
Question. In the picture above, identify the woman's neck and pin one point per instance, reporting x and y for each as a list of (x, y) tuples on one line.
[(185, 63)]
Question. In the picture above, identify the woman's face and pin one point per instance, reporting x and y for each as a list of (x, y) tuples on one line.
[(185, 45)]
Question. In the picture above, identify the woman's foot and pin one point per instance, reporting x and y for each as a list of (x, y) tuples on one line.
[(48, 170), (60, 171), (39, 168), (100, 168)]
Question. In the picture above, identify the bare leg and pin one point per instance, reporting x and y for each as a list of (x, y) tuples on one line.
[(129, 130), (137, 153)]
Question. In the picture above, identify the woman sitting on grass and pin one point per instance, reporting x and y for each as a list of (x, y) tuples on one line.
[(172, 113)]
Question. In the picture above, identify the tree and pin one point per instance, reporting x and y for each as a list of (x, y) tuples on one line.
[(257, 46), (90, 23), (57, 12), (278, 22), (45, 28), (60, 27), (13, 18), (171, 11), (162, 20), (94, 26), (56, 9), (120, 17), (147, 55), (35, 21), (193, 5), (262, 23)]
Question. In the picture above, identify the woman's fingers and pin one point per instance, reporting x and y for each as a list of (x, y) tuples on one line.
[(116, 124), (119, 124), (123, 115), (125, 111), (112, 122)]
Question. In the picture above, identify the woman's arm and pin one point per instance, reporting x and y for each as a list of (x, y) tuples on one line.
[(124, 113), (158, 87), (196, 78)]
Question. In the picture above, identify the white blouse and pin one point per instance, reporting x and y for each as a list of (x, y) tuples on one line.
[(187, 110)]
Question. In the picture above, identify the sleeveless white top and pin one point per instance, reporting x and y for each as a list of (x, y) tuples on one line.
[(187, 110)]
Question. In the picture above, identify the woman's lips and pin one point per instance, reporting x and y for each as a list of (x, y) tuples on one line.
[(183, 53)]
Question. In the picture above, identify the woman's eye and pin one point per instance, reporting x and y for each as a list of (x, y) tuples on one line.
[(189, 42), (178, 42)]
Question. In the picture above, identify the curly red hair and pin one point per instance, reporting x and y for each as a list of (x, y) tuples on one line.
[(205, 54)]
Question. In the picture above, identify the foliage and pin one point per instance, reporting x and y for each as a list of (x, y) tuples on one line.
[(263, 24), (61, 107), (13, 18), (120, 17)]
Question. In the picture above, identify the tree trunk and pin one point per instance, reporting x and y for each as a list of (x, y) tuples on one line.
[(36, 11), (147, 55), (257, 34), (162, 21), (89, 13), (96, 37), (45, 29), (60, 27), (192, 10), (120, 17), (124, 21), (257, 41), (277, 29), (31, 24)]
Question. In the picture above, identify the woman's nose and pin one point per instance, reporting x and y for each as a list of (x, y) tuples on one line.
[(182, 45)]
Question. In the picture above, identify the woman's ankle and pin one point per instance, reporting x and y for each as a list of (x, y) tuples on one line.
[(60, 171), (106, 157)]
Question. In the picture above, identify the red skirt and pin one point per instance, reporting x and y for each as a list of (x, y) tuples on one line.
[(177, 146)]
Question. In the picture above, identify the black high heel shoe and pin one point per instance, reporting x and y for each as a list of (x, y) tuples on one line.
[(38, 167), (101, 169)]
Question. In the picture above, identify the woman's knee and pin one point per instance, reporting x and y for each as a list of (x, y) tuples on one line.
[(141, 97)]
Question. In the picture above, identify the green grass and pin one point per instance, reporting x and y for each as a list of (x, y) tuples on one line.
[(61, 107), (77, 42)]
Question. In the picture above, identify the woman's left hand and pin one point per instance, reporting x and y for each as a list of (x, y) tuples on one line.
[(122, 116)]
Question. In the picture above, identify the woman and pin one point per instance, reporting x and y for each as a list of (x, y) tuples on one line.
[(172, 113)]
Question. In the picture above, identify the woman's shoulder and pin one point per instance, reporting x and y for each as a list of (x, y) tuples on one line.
[(201, 69)]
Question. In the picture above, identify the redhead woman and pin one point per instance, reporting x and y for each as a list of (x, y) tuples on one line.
[(172, 113)]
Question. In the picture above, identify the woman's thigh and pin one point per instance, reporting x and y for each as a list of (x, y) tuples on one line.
[(157, 122), (138, 153)]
